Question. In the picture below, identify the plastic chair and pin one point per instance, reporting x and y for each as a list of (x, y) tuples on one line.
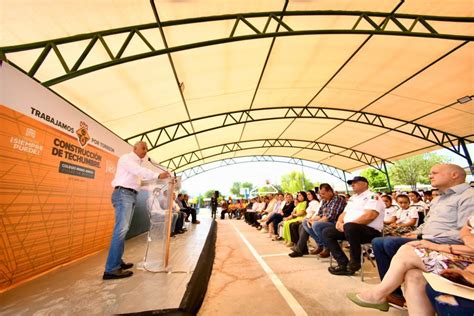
[(364, 250)]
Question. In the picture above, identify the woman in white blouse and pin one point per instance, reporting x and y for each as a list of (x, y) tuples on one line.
[(311, 210)]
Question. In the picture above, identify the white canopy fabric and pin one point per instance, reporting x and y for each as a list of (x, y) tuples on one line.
[(343, 83)]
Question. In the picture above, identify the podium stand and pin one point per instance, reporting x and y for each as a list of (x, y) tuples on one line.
[(160, 210)]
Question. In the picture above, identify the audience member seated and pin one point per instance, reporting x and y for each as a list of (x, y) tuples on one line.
[(445, 304), (158, 210), (298, 214), (231, 209), (394, 195), (179, 226), (288, 208), (427, 198), (268, 209), (404, 220), (183, 206), (261, 210), (332, 206), (237, 209), (417, 201), (248, 208), (263, 204), (251, 210), (407, 266), (346, 196), (192, 210), (311, 210), (242, 208), (260, 207), (390, 209), (448, 212), (277, 208), (224, 208), (448, 305), (361, 221)]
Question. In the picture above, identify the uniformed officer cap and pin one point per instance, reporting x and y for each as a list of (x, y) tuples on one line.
[(358, 178)]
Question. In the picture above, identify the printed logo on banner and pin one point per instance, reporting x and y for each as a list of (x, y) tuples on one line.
[(83, 134), (83, 137), (25, 145), (30, 132)]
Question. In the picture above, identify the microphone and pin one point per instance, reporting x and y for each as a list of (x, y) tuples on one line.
[(157, 165)]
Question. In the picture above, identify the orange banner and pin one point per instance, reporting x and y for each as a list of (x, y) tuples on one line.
[(55, 196)]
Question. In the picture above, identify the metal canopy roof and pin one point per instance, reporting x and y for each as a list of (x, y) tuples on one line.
[(342, 83)]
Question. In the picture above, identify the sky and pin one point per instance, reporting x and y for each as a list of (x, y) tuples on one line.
[(258, 173)]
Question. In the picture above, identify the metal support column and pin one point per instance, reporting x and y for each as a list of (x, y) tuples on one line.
[(345, 182), (302, 178), (467, 156), (386, 174)]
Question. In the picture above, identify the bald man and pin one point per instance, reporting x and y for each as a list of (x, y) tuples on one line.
[(447, 215), (126, 184)]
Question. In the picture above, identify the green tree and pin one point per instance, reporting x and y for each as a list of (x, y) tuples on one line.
[(415, 169), (235, 188), (293, 182), (265, 189), (247, 185), (376, 178), (209, 193), (198, 200)]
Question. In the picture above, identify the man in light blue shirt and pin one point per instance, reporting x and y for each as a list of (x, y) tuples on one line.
[(447, 215)]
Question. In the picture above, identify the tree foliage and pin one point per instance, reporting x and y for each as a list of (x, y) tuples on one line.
[(247, 185), (236, 186), (376, 178), (268, 188), (198, 200), (293, 182), (209, 193), (415, 169)]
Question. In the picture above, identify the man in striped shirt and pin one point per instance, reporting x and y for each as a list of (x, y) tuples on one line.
[(331, 206)]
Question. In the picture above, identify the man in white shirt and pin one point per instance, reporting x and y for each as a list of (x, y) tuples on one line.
[(124, 197), (361, 221)]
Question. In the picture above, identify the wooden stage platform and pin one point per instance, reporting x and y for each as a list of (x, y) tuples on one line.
[(78, 288)]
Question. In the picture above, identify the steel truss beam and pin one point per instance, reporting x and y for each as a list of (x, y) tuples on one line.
[(164, 135), (196, 170), (188, 158), (404, 25), (175, 73)]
